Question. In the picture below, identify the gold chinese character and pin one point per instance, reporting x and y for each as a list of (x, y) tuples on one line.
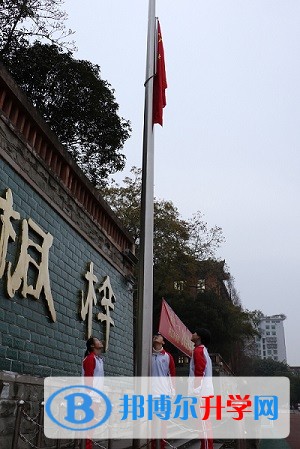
[(107, 301), (7, 230), (20, 274), (91, 299)]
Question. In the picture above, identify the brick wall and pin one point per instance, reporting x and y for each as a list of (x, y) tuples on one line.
[(29, 341), (49, 189), (61, 201)]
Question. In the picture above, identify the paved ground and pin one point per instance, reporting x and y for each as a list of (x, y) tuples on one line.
[(291, 442), (181, 444), (274, 444), (196, 445), (293, 439)]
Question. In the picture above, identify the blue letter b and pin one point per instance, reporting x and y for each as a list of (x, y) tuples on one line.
[(85, 406)]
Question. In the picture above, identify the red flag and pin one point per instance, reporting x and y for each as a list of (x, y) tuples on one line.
[(173, 329), (159, 82)]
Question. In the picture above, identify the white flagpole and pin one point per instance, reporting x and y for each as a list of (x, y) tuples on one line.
[(145, 283)]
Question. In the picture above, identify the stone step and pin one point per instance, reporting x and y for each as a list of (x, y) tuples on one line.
[(195, 444), (178, 444)]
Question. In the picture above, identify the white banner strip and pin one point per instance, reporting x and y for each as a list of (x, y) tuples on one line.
[(165, 407)]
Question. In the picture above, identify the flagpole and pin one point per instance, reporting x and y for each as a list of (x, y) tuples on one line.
[(145, 283)]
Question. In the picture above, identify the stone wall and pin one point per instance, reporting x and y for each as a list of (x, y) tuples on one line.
[(42, 332), (30, 342)]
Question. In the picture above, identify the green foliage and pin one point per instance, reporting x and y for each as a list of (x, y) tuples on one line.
[(125, 201), (183, 248), (228, 323), (265, 367), (203, 241), (256, 316), (78, 105), (254, 366), (178, 244), (295, 389), (173, 237), (24, 19), (171, 233)]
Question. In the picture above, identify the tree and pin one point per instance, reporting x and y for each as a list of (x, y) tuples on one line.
[(203, 241), (174, 238), (171, 233), (180, 247), (256, 316), (295, 390), (125, 201), (79, 106), (254, 366), (23, 19), (229, 324), (233, 293)]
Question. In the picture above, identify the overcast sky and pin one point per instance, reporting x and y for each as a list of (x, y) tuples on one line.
[(231, 137)]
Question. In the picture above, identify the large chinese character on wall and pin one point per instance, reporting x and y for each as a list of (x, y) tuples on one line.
[(106, 300), (17, 278), (29, 275)]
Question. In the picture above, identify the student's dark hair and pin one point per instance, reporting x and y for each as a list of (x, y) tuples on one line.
[(204, 334), (90, 343)]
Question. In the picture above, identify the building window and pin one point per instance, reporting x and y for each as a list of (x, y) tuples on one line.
[(273, 333), (267, 333), (267, 326), (201, 285), (181, 359), (179, 285)]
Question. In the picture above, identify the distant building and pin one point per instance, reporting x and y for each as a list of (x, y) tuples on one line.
[(210, 276), (295, 370), (271, 341)]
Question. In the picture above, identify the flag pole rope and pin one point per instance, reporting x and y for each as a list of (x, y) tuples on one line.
[(148, 79), (155, 62)]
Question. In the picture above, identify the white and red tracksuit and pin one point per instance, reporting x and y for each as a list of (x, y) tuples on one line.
[(92, 366), (162, 366), (201, 370)]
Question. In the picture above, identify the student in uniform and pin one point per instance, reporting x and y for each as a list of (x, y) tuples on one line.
[(201, 375), (163, 367), (92, 366)]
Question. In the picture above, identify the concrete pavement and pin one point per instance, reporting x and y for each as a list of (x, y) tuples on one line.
[(291, 442), (293, 439)]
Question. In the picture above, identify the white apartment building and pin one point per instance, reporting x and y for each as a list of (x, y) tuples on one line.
[(271, 342)]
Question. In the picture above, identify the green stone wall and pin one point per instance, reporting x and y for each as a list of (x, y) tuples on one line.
[(30, 343)]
